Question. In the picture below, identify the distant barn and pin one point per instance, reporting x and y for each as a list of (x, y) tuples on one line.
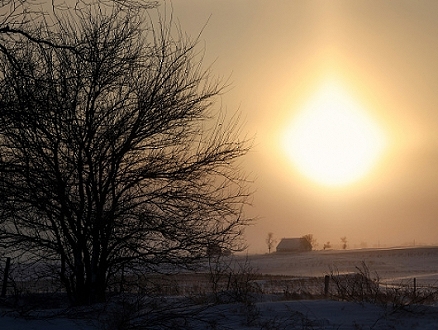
[(294, 245)]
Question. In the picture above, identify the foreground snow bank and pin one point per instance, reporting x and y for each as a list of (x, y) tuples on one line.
[(304, 314), (9, 322), (322, 314)]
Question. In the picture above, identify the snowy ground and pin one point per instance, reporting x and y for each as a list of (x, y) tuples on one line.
[(391, 265), (12, 323), (303, 314), (323, 314)]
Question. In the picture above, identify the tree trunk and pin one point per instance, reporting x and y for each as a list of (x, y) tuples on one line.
[(93, 291)]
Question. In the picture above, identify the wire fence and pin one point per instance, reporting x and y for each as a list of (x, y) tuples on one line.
[(24, 279)]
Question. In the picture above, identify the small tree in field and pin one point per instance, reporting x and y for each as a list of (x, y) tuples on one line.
[(270, 241), (110, 159), (310, 242), (344, 242)]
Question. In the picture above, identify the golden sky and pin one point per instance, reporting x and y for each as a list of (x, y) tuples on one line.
[(383, 55)]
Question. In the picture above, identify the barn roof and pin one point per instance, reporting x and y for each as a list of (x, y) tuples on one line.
[(291, 244)]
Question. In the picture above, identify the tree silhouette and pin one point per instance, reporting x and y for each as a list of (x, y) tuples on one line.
[(110, 158), (344, 242), (270, 241), (310, 242)]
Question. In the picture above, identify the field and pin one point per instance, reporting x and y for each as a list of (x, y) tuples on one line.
[(392, 265), (287, 291)]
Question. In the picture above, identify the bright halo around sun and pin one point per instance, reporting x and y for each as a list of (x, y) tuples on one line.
[(333, 141)]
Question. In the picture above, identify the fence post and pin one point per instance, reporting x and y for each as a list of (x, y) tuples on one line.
[(122, 278), (5, 277), (415, 287), (326, 285)]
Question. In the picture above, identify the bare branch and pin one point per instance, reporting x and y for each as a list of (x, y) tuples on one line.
[(113, 155)]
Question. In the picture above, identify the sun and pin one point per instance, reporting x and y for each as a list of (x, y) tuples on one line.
[(332, 140)]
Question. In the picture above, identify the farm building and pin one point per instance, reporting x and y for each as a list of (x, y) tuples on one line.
[(293, 245)]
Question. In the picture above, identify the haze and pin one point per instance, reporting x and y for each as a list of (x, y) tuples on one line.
[(276, 54)]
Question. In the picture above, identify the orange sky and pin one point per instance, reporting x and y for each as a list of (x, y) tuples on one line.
[(277, 53)]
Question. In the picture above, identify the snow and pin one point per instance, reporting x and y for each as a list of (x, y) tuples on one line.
[(8, 322), (307, 314), (270, 312)]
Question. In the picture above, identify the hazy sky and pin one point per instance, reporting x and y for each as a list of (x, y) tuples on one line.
[(384, 54)]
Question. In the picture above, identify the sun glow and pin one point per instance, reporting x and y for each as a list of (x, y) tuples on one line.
[(333, 141)]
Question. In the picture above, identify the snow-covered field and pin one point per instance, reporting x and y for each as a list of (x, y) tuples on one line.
[(270, 312), (391, 265)]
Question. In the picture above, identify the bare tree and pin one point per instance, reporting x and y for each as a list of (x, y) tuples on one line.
[(110, 157), (344, 242), (310, 242), (327, 246), (270, 241)]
